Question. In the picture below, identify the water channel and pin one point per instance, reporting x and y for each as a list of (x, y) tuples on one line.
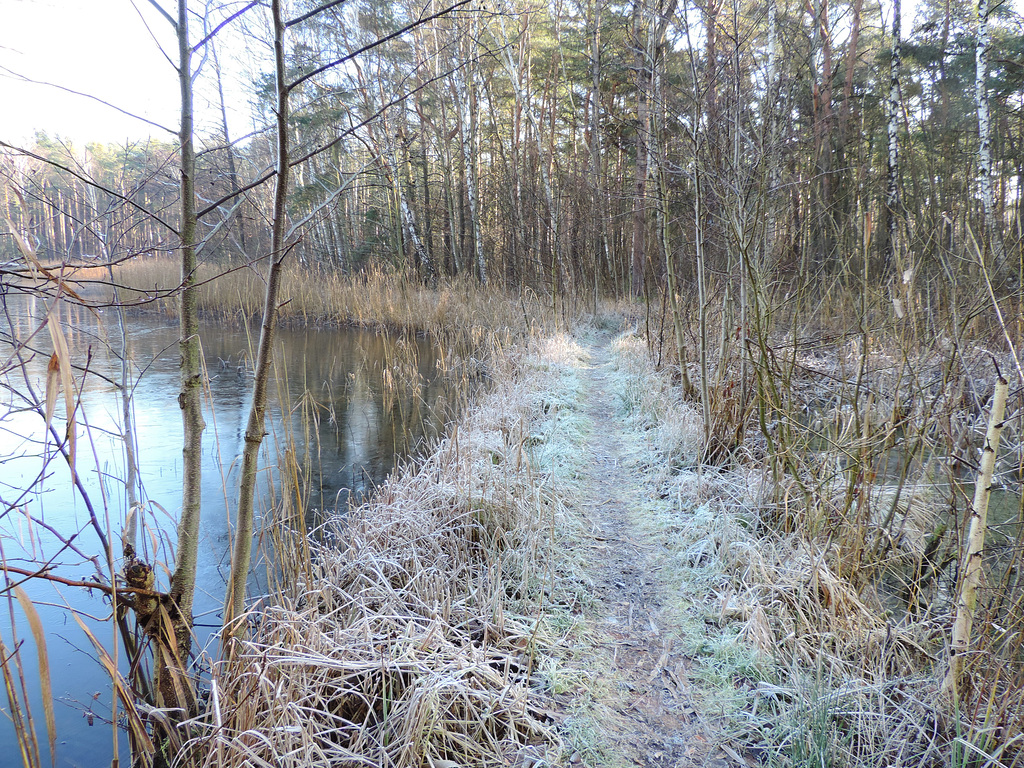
[(349, 405)]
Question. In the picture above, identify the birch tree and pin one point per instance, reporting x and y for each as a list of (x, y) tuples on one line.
[(173, 685), (993, 234), (468, 90), (972, 565), (524, 103), (642, 146), (255, 429), (892, 117)]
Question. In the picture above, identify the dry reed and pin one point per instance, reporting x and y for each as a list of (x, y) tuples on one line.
[(457, 311)]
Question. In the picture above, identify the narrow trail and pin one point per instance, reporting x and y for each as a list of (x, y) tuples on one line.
[(647, 714)]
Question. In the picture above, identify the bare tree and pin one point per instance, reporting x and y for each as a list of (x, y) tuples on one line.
[(234, 601)]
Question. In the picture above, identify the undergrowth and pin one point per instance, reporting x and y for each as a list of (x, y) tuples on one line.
[(825, 531), (459, 311)]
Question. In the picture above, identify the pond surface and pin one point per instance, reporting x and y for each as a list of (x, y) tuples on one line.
[(354, 404)]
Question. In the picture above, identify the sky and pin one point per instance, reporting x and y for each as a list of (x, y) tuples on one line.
[(115, 50), (99, 47)]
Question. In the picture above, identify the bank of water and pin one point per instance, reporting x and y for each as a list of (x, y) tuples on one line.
[(348, 405)]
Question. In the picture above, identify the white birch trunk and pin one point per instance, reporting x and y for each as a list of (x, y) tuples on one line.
[(406, 215), (992, 234), (409, 225), (641, 37), (892, 114), (470, 140)]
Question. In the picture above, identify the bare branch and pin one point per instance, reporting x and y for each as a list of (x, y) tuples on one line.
[(97, 99), (165, 14), (223, 24), (268, 175), (314, 12), (44, 573), (375, 43)]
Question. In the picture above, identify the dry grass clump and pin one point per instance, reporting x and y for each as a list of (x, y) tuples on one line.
[(412, 640), (823, 721)]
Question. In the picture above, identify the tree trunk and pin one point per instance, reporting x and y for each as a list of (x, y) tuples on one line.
[(230, 150), (993, 234), (170, 669), (234, 603), (892, 115), (851, 62), (638, 255), (523, 102), (971, 566), (823, 151), (470, 139)]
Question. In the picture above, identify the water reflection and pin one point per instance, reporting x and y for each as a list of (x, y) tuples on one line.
[(347, 406)]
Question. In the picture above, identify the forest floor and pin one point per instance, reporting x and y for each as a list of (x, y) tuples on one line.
[(657, 692)]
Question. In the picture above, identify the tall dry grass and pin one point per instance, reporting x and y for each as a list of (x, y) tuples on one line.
[(410, 637), (459, 311)]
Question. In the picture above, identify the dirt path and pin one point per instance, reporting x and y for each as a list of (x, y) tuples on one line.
[(647, 714)]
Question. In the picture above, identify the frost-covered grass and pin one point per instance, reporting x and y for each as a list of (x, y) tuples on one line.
[(425, 636)]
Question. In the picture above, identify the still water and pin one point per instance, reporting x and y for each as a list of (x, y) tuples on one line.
[(348, 405)]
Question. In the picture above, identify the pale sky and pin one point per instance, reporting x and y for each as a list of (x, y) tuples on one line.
[(115, 50), (99, 47)]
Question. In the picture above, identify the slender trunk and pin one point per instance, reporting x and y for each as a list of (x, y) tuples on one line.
[(408, 219), (739, 217), (678, 325), (234, 604), (173, 686), (598, 198), (892, 104), (523, 102), (407, 230), (660, 156), (190, 399), (993, 235), (470, 130), (944, 46), (851, 62), (428, 225), (232, 168), (699, 221), (129, 534), (823, 150), (975, 550), (772, 143), (638, 256), (454, 260)]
